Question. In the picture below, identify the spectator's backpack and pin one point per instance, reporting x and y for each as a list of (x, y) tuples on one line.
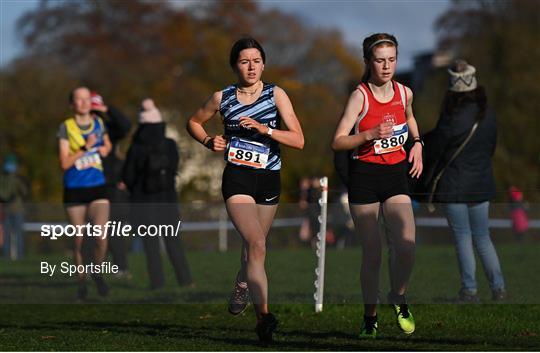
[(159, 170)]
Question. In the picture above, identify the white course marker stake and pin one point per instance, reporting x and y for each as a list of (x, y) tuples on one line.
[(321, 247)]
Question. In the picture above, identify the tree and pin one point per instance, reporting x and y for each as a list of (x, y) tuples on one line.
[(179, 56), (500, 39), (33, 101)]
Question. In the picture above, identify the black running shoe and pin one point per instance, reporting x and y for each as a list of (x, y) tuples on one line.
[(369, 328), (82, 292), (239, 298), (102, 287), (265, 327)]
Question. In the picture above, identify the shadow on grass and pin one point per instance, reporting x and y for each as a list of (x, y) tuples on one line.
[(285, 340), (40, 284)]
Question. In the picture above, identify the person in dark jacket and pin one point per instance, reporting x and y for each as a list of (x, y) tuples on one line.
[(14, 189), (461, 176), (118, 126), (149, 174)]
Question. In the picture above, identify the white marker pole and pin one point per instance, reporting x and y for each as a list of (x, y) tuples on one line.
[(321, 247)]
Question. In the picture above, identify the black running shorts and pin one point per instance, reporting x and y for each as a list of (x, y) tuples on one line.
[(371, 182), (82, 196), (261, 184)]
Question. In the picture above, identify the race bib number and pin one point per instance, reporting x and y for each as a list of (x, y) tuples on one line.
[(248, 153), (394, 143), (89, 160)]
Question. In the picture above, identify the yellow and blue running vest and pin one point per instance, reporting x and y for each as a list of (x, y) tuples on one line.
[(87, 170)]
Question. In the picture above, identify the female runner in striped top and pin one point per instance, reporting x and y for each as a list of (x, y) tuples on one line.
[(252, 112)]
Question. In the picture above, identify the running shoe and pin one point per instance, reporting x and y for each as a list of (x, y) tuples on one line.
[(405, 319), (102, 287), (239, 298), (265, 327), (82, 292), (369, 329)]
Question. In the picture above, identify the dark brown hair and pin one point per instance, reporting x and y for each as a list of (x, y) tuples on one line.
[(241, 44), (72, 93)]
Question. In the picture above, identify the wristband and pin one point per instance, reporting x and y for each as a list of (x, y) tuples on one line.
[(206, 144), (270, 131), (418, 140), (204, 140)]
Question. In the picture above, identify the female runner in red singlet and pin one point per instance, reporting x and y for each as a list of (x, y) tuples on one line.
[(379, 112)]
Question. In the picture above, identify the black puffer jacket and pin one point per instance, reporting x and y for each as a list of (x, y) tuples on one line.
[(469, 177), (146, 137), (118, 126)]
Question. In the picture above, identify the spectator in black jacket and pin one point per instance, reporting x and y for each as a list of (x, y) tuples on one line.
[(118, 126), (149, 174), (14, 189), (459, 160)]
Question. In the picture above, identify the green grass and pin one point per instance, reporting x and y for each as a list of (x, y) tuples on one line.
[(44, 316)]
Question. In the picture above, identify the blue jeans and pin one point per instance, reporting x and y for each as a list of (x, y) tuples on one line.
[(469, 223)]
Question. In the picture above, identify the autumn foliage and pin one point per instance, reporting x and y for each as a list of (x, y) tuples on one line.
[(128, 50)]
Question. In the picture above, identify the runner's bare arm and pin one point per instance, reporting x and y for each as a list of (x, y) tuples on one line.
[(294, 137), (67, 159), (415, 154), (107, 146), (201, 116), (343, 141)]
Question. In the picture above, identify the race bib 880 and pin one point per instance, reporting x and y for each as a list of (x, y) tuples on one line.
[(393, 143), (248, 153)]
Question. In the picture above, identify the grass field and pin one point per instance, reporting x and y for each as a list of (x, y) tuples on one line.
[(42, 314)]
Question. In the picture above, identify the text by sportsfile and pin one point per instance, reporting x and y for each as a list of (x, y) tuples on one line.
[(70, 269)]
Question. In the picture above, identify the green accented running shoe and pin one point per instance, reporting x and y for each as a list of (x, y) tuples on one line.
[(368, 330), (405, 318)]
